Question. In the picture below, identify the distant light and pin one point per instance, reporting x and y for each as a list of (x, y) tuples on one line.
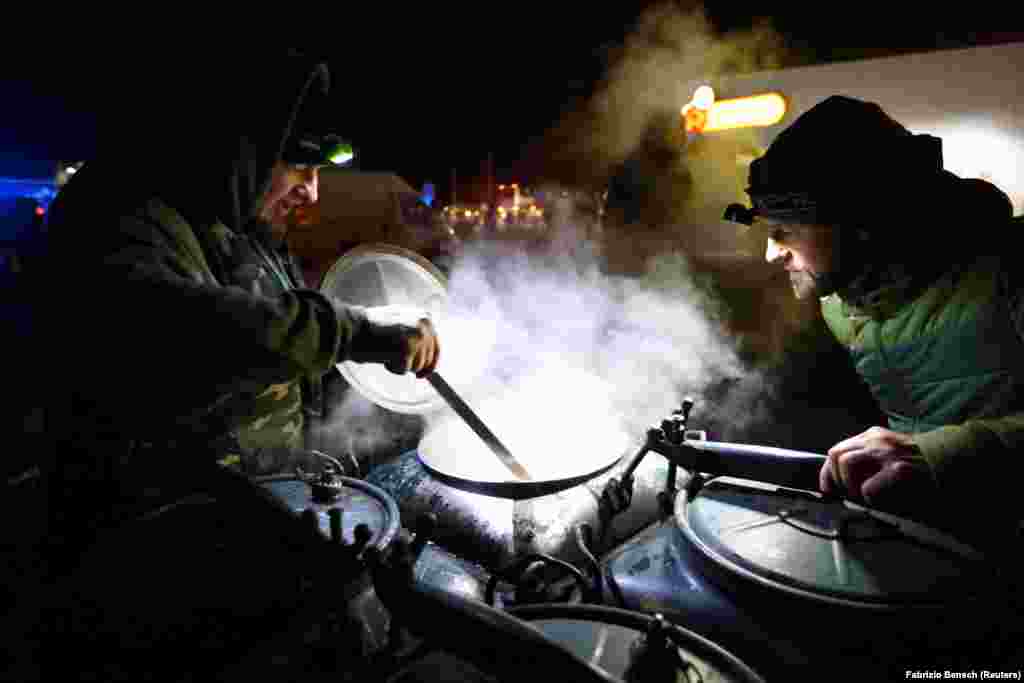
[(40, 211), (704, 97), (70, 170)]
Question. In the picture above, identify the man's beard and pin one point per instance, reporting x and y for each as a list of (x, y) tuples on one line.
[(803, 283)]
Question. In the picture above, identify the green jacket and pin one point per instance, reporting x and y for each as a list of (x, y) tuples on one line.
[(947, 365)]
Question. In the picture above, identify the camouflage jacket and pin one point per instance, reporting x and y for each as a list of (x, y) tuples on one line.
[(197, 332), (271, 419)]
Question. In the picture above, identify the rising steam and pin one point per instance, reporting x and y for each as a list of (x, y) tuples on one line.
[(565, 362), (653, 72), (582, 345)]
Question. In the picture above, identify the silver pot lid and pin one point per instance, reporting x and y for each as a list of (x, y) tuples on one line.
[(794, 541), (386, 275)]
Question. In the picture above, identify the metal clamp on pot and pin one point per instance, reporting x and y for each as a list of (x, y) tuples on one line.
[(690, 450), (531, 586)]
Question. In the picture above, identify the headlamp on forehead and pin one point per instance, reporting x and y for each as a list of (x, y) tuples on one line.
[(792, 207), (737, 213), (318, 150)]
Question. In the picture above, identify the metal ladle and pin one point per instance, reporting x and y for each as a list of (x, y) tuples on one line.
[(477, 425)]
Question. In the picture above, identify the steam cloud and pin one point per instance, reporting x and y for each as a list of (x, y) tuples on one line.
[(362, 430), (552, 350), (561, 357), (564, 361), (652, 72)]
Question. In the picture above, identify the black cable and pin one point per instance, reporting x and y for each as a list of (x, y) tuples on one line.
[(521, 565), (595, 566), (496, 641), (691, 642), (676, 634), (337, 463)]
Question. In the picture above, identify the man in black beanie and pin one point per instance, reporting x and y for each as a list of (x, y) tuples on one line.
[(911, 266)]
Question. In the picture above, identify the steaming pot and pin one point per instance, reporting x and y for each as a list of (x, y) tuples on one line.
[(484, 512)]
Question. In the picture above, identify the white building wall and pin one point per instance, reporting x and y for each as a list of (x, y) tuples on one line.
[(971, 98)]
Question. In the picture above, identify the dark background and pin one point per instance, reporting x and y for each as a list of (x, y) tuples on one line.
[(424, 90)]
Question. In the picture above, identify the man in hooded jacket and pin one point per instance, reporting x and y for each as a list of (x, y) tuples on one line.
[(912, 267), (193, 333)]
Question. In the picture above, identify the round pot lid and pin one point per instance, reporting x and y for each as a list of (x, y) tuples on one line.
[(385, 275), (797, 542)]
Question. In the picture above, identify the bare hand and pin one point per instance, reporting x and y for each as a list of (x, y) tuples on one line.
[(881, 467), (423, 350)]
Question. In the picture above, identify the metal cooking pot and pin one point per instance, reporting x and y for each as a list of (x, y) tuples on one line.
[(557, 458), (833, 583)]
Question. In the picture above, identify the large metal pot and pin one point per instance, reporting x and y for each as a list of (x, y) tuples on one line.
[(559, 452), (786, 578), (494, 531), (558, 432), (550, 443)]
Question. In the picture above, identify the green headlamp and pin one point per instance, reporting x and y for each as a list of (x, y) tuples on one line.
[(318, 150), (341, 154)]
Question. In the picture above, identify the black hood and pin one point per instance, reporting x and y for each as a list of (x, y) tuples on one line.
[(847, 162), (840, 158), (204, 138)]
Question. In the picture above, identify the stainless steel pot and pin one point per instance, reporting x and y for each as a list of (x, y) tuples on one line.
[(558, 450)]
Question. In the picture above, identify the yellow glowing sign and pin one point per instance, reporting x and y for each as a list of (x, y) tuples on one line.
[(705, 114)]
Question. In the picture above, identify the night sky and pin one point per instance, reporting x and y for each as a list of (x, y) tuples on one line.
[(442, 89)]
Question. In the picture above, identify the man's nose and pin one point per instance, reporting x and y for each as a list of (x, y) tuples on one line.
[(775, 252), (310, 185)]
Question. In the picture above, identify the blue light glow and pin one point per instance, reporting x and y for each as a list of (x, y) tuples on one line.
[(40, 190)]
